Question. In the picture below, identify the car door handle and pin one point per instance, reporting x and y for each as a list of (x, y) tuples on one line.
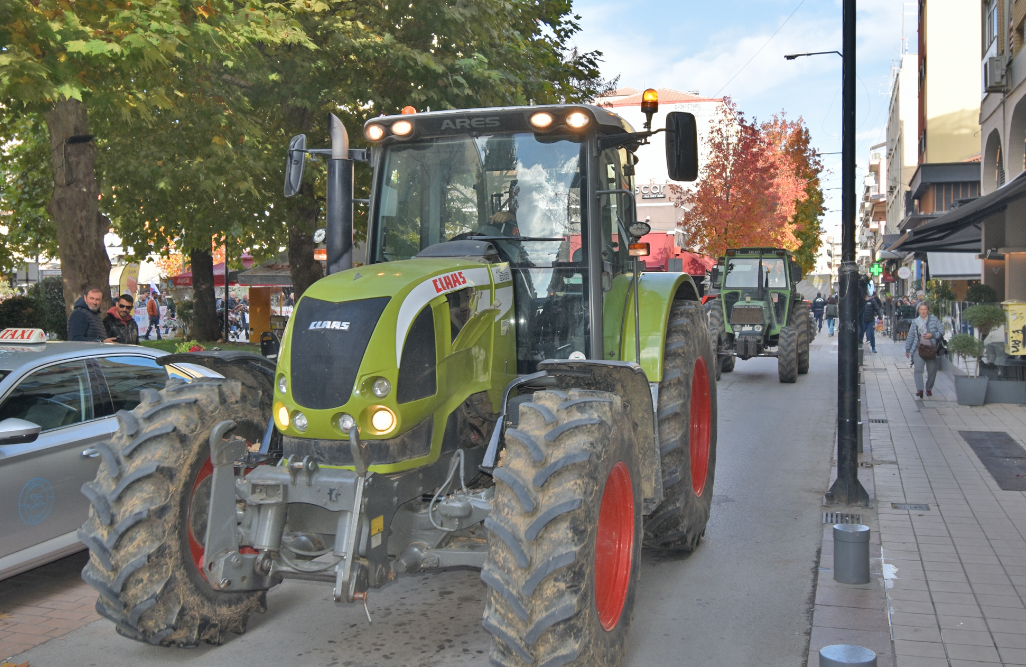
[(90, 453)]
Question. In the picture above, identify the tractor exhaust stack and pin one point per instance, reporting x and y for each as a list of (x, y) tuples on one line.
[(339, 200)]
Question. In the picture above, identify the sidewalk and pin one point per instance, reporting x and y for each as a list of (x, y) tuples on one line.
[(955, 572)]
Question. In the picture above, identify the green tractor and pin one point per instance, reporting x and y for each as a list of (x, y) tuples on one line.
[(758, 308), (497, 387)]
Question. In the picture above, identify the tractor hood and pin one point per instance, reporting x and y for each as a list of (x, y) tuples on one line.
[(392, 321)]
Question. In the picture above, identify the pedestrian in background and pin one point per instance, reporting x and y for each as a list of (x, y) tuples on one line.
[(923, 334), (831, 313), (818, 305), (85, 323), (153, 311), (119, 322), (867, 323)]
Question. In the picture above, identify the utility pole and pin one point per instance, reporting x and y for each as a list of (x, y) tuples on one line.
[(847, 490)]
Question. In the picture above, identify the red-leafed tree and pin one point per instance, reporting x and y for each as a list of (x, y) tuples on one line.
[(753, 185)]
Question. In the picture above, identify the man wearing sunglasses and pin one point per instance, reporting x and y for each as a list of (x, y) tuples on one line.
[(119, 322)]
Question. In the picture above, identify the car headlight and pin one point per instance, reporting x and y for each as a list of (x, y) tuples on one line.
[(381, 387), (346, 422), (383, 420), (299, 421), (283, 384)]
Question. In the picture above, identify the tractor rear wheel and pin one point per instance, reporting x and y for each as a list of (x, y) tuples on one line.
[(564, 534), (148, 515), (723, 352), (787, 354), (687, 434), (800, 318)]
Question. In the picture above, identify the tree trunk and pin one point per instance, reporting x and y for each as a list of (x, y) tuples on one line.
[(302, 221), (204, 305), (74, 205)]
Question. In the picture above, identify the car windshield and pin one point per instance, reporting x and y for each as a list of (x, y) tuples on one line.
[(742, 273), (522, 191)]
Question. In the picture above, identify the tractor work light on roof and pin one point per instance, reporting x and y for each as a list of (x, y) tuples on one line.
[(374, 132), (577, 120), (402, 128), (541, 120)]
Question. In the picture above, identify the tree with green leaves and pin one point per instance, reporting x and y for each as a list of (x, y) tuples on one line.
[(63, 61)]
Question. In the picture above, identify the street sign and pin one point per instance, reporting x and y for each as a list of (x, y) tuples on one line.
[(904, 273)]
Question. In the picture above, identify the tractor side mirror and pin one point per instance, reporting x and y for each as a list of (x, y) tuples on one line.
[(681, 146), (294, 165), (796, 273), (715, 278)]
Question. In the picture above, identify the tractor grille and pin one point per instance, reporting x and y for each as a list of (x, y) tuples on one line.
[(327, 345), (740, 314)]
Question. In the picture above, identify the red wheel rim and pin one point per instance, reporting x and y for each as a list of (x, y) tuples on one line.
[(701, 426), (195, 546), (614, 546)]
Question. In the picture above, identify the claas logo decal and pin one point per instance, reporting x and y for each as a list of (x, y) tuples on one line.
[(448, 282)]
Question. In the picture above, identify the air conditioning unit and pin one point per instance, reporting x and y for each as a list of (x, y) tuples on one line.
[(994, 74)]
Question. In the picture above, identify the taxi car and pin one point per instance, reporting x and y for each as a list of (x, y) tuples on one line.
[(57, 400)]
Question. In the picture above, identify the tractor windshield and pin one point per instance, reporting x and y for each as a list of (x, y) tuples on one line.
[(523, 192), (743, 273)]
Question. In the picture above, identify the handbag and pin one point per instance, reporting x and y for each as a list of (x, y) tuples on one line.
[(926, 351)]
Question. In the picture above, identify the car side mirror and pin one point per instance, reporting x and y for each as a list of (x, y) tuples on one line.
[(715, 278), (294, 165), (15, 431), (796, 273), (681, 146)]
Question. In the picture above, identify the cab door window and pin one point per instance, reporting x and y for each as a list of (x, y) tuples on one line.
[(52, 397), (127, 376)]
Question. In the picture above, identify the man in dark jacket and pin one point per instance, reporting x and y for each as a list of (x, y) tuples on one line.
[(867, 324), (818, 304), (119, 322), (85, 323)]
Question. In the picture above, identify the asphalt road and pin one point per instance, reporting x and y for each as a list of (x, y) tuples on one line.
[(743, 598)]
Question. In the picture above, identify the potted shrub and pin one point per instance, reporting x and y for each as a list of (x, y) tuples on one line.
[(984, 317), (970, 389)]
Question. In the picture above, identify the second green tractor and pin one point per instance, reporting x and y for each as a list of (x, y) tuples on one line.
[(760, 312)]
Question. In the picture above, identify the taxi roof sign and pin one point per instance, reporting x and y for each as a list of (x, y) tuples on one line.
[(22, 336)]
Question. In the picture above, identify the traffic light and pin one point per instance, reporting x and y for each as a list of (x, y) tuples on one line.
[(876, 269)]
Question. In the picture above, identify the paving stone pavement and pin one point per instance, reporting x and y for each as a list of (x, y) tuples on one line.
[(47, 602), (956, 573)]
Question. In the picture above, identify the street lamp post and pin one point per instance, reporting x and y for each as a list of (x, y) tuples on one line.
[(847, 490)]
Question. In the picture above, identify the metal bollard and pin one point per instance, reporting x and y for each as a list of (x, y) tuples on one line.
[(851, 554), (845, 655)]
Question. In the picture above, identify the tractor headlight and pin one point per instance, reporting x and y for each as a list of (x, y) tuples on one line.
[(383, 420), (402, 128), (346, 422), (282, 413), (374, 132), (381, 387), (299, 421), (283, 384), (541, 120), (577, 120)]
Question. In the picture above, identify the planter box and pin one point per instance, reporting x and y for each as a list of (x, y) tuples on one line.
[(1006, 391), (971, 391)]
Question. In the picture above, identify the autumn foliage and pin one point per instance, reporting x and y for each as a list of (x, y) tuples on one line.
[(753, 183)]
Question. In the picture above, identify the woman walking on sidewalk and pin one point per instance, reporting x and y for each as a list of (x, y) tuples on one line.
[(924, 331)]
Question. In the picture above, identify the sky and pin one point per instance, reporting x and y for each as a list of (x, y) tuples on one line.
[(705, 46)]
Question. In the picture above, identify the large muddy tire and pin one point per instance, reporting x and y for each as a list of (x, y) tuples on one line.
[(718, 335), (787, 354), (564, 535), (687, 434), (148, 515), (800, 316)]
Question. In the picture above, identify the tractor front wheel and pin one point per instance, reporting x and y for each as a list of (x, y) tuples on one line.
[(723, 350), (564, 534), (147, 522), (787, 355)]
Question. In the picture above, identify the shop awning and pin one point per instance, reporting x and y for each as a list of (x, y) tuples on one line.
[(953, 265), (958, 230), (184, 279)]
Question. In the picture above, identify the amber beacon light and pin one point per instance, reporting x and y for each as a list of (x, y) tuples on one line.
[(649, 105), (638, 249)]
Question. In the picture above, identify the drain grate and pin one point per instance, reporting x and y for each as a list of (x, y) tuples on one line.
[(841, 517), (911, 507), (877, 421)]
